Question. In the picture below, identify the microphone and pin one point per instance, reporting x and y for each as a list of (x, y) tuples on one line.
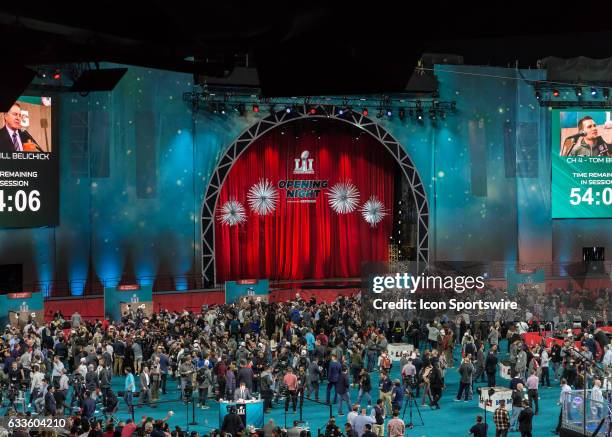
[(578, 135), (603, 149)]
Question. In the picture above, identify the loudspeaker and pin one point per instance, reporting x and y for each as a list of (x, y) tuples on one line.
[(15, 79), (595, 253), (11, 278), (98, 80)]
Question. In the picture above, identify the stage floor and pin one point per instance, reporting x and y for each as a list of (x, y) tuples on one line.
[(453, 419)]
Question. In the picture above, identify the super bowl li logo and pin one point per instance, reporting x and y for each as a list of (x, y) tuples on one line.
[(304, 164)]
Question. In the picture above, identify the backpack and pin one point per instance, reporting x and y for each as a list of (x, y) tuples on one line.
[(386, 362)]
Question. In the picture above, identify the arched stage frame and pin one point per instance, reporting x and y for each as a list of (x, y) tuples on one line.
[(277, 119)]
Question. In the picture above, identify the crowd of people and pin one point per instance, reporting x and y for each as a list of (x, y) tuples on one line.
[(282, 352)]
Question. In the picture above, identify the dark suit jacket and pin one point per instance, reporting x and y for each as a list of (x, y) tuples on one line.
[(246, 397), (6, 142), (50, 405)]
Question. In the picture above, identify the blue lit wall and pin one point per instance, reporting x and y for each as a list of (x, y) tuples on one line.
[(135, 164)]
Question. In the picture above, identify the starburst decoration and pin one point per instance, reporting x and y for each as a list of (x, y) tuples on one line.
[(232, 213), (343, 197), (263, 197), (373, 211)]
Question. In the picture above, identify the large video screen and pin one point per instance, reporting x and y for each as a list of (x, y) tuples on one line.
[(582, 163), (29, 186)]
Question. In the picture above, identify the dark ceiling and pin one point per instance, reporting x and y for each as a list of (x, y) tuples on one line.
[(295, 46)]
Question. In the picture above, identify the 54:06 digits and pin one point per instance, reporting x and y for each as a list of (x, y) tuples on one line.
[(590, 197), (21, 201)]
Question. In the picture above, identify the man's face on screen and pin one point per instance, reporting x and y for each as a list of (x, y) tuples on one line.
[(13, 117), (590, 128)]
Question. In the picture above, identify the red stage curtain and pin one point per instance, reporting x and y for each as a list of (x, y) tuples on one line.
[(306, 240)]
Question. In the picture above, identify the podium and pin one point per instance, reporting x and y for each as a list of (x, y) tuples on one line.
[(251, 412), (504, 370), (500, 393)]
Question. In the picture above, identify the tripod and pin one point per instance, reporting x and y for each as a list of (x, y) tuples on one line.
[(410, 400)]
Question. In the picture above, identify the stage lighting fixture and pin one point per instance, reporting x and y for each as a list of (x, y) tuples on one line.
[(222, 108), (593, 92), (312, 110), (419, 114), (364, 112), (538, 95), (288, 109), (606, 93), (389, 113), (556, 93), (401, 113), (578, 91), (255, 108), (57, 75)]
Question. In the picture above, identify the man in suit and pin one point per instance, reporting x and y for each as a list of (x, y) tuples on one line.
[(242, 392), (50, 404), (12, 138), (145, 387)]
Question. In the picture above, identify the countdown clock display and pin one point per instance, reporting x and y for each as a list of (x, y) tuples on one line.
[(582, 163), (29, 165)]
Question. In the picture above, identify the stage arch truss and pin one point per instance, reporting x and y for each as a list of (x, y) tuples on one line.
[(277, 119)]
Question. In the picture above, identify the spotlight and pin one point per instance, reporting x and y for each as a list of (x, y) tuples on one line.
[(57, 75), (222, 108), (606, 93), (401, 113), (389, 113), (312, 110), (364, 112), (419, 114), (556, 93), (578, 91), (593, 92), (288, 109), (538, 95), (255, 108), (340, 112)]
